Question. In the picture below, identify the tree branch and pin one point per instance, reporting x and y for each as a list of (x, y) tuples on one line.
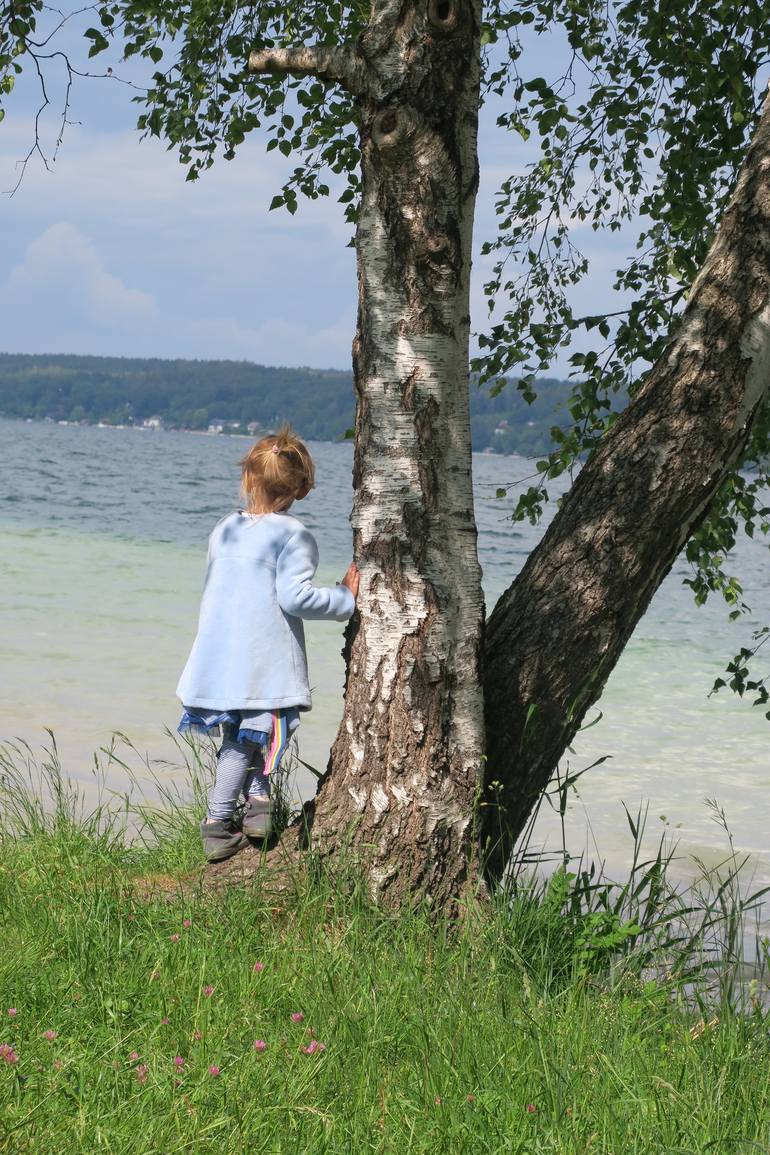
[(337, 65)]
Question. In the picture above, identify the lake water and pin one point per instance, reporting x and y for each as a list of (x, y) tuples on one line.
[(102, 552)]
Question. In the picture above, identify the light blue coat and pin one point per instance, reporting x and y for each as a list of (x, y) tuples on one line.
[(249, 653)]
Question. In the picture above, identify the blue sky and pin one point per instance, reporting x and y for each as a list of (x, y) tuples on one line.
[(113, 252)]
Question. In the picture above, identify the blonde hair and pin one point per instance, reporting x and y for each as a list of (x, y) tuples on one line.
[(275, 471)]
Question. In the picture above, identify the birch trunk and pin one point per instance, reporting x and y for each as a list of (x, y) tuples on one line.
[(404, 771), (556, 634)]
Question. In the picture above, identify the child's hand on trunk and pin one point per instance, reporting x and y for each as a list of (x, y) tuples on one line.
[(351, 579)]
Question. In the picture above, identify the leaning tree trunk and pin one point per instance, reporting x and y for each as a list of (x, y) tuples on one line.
[(556, 634), (405, 768)]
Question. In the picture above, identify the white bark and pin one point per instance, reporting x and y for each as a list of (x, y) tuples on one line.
[(335, 64), (407, 762)]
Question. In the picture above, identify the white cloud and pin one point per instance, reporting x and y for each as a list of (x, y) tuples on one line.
[(274, 342), (63, 259), (116, 253), (63, 288), (119, 176)]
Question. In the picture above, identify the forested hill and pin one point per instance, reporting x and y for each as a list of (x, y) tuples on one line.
[(235, 394)]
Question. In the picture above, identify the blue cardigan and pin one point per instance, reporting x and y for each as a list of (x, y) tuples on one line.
[(249, 653)]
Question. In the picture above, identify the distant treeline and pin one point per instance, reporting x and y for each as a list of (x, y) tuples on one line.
[(235, 394)]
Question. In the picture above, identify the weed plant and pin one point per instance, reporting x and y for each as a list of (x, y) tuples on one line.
[(568, 1016)]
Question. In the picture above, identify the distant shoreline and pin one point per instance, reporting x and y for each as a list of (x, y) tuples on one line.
[(487, 452), (136, 428), (240, 397)]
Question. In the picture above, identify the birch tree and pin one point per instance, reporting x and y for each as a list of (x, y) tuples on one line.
[(453, 725)]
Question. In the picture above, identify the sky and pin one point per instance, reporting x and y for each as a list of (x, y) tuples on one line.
[(112, 252)]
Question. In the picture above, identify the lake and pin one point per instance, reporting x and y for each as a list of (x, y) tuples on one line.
[(101, 564)]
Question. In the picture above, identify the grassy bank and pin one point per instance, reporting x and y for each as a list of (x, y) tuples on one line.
[(311, 1022)]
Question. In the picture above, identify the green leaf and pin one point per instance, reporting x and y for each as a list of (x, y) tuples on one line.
[(99, 41)]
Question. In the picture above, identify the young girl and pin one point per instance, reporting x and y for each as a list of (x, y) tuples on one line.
[(247, 671)]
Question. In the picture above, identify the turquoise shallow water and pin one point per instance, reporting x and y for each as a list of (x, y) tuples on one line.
[(102, 550)]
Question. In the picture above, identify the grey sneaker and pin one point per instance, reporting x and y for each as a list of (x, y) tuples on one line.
[(258, 817), (221, 839)]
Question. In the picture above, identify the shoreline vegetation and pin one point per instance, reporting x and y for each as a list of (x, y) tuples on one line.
[(243, 398), (142, 1013)]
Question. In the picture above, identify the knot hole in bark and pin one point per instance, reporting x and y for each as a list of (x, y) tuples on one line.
[(388, 128), (443, 14)]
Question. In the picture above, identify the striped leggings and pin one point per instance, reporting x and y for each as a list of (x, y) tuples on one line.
[(244, 768)]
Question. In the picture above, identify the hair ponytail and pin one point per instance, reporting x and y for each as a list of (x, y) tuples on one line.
[(275, 471)]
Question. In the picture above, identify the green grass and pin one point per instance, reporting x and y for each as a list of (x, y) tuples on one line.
[(543, 1024)]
